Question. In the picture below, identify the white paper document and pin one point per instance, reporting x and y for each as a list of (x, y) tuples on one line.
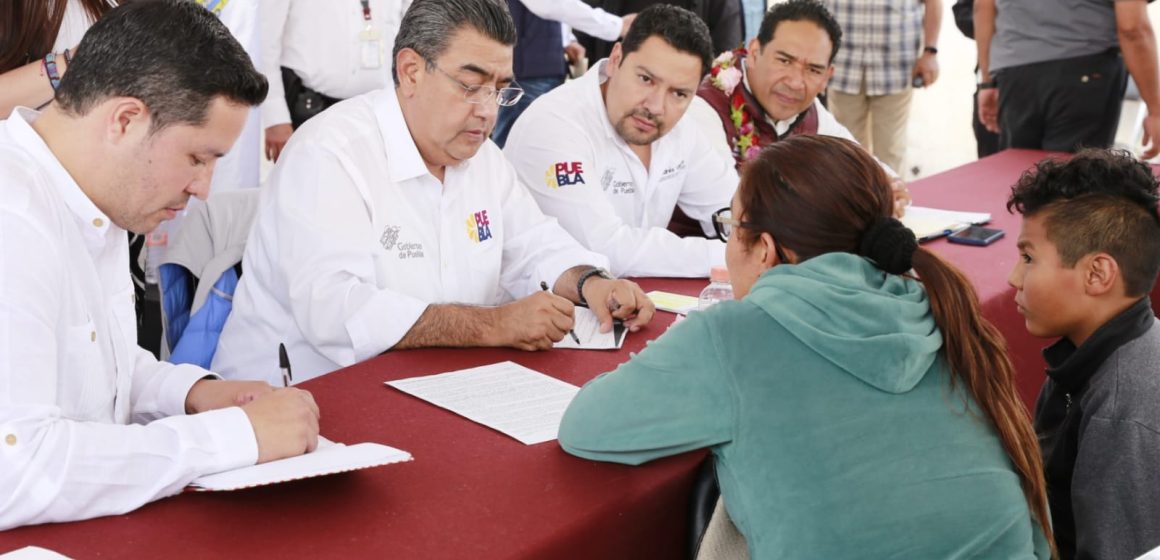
[(587, 329), (507, 397), (929, 223), (33, 553), (328, 458)]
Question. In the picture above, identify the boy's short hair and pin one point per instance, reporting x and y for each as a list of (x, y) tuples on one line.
[(1099, 201)]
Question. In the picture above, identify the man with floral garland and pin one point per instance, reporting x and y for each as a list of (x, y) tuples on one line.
[(612, 157), (754, 97)]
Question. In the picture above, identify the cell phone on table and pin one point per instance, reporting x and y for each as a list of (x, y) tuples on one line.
[(976, 235)]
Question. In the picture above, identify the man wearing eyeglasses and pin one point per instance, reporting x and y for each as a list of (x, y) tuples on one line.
[(391, 221), (610, 156)]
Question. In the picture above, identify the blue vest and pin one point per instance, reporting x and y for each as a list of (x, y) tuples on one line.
[(539, 51)]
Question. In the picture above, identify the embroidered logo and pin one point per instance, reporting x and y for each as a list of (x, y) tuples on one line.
[(563, 174), (390, 241), (390, 237), (670, 172), (479, 227)]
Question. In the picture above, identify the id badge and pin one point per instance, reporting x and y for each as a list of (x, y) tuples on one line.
[(370, 48)]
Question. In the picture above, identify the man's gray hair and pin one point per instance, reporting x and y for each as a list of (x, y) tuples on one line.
[(428, 25)]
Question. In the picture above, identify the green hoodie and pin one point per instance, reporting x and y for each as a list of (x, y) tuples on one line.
[(830, 414)]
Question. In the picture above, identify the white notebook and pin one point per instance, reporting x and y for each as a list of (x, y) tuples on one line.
[(328, 458), (930, 223)]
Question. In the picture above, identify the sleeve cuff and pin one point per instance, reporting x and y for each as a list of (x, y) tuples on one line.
[(382, 323), (233, 438), (175, 388)]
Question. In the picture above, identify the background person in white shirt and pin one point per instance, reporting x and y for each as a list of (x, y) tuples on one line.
[(610, 156), (156, 93), (337, 48), (391, 221)]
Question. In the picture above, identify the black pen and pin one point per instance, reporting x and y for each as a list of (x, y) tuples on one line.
[(544, 286), (284, 365)]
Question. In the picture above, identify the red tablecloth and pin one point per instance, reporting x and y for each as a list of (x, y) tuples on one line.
[(470, 492), (984, 186), (474, 493)]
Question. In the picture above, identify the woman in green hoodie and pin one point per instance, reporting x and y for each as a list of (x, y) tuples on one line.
[(856, 403)]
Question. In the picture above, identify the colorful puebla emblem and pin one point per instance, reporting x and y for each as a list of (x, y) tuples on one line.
[(563, 174), (479, 227)]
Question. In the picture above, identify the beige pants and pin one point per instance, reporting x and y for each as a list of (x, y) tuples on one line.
[(878, 122)]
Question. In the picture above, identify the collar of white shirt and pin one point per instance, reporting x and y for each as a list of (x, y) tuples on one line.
[(596, 77), (403, 158), (779, 126), (20, 127)]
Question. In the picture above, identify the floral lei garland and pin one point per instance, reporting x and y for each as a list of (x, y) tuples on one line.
[(726, 76)]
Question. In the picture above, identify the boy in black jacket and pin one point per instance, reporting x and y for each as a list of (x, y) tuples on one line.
[(1089, 253)]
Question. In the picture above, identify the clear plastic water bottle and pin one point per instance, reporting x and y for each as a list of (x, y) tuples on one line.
[(156, 242), (718, 289)]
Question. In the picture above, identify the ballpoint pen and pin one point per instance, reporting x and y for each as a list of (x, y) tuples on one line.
[(544, 286), (284, 365)]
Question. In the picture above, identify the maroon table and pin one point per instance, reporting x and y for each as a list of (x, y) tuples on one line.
[(470, 492), (984, 186), (474, 493)]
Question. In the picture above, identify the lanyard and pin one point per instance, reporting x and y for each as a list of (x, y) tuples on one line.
[(366, 7)]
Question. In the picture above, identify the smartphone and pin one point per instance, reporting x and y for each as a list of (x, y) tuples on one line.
[(918, 81), (976, 235)]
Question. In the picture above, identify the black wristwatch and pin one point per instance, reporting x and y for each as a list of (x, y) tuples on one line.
[(990, 84), (931, 50), (594, 271)]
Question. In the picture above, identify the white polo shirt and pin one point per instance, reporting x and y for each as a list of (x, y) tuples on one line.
[(320, 41), (354, 238), (570, 157), (71, 373)]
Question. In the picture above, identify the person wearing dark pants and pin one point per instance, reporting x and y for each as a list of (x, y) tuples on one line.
[(1053, 72), (1062, 105)]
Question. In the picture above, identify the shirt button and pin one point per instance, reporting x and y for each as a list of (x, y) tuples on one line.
[(10, 439), (97, 222), (93, 336)]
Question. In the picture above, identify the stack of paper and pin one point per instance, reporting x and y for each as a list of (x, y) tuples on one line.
[(522, 403), (327, 458), (929, 223)]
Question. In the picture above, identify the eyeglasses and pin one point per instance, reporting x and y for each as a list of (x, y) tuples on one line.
[(724, 222), (477, 95)]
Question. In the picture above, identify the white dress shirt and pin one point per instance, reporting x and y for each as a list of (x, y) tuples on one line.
[(240, 168), (319, 40), (708, 123), (578, 15), (71, 374), (569, 156), (354, 238)]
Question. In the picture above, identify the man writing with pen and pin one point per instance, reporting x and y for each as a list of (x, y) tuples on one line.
[(391, 221)]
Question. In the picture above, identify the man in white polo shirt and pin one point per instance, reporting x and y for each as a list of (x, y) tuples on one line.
[(90, 424), (610, 156), (391, 221)]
